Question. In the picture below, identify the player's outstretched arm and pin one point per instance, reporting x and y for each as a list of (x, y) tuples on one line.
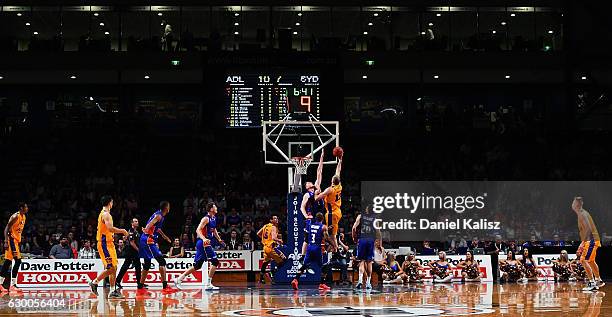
[(339, 166), (322, 194), (320, 170)]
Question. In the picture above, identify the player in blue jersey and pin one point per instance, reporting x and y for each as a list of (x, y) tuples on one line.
[(364, 232), (207, 233), (309, 205), (149, 249), (317, 234)]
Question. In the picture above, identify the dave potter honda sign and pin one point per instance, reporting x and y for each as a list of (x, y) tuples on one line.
[(436, 210)]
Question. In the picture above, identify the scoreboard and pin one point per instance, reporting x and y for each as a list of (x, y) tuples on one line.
[(256, 97)]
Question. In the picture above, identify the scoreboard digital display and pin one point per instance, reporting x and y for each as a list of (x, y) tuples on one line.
[(254, 98)]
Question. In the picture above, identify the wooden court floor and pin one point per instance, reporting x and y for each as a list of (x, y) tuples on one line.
[(238, 299)]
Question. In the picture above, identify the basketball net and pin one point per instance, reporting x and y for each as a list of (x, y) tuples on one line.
[(301, 164)]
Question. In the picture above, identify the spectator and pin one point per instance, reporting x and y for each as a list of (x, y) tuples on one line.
[(233, 243), (380, 257), (176, 250), (262, 203), (73, 242), (476, 244), (120, 248), (234, 218), (186, 242), (59, 232), (87, 252), (427, 249), (90, 234), (61, 250), (247, 244)]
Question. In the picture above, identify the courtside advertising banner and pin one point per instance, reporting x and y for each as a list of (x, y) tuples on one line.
[(78, 272), (513, 210)]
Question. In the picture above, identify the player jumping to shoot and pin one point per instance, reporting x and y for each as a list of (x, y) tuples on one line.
[(270, 240), (207, 229), (332, 196), (590, 243), (317, 233)]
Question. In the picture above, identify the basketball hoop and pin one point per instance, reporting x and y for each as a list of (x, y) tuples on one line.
[(301, 164)]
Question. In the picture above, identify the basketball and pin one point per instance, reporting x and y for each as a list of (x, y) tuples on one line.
[(338, 151)]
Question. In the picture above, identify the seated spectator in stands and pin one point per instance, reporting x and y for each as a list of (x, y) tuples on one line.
[(176, 250), (59, 232), (186, 243), (87, 252), (248, 229), (262, 203), (533, 242), (476, 244), (247, 244), (427, 249), (73, 242), (233, 243), (120, 247), (90, 235), (25, 246), (61, 250), (234, 218)]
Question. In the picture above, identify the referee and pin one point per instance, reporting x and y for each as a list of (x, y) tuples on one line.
[(131, 254)]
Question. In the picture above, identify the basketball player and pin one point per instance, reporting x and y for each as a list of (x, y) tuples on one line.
[(365, 247), (106, 247), (12, 235), (590, 243), (332, 196), (271, 241), (309, 205), (206, 231), (148, 248), (317, 233)]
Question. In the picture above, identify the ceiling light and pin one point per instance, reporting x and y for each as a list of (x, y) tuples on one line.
[(512, 14), (107, 33), (1, 77), (295, 33), (364, 76), (146, 77), (419, 99), (370, 23), (96, 14), (297, 23), (507, 76), (299, 14), (375, 14), (27, 23), (365, 32), (438, 14), (72, 77), (494, 31), (430, 24), (236, 33), (236, 24), (550, 32), (101, 23), (436, 76), (422, 33), (583, 77), (236, 14), (35, 33), (19, 14), (503, 23), (159, 14)]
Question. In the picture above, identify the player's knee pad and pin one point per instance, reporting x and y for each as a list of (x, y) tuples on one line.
[(198, 264), (214, 262), (161, 261), (147, 265)]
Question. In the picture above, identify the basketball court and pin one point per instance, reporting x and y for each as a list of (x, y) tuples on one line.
[(237, 299)]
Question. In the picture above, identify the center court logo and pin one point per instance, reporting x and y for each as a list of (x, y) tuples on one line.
[(426, 310)]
